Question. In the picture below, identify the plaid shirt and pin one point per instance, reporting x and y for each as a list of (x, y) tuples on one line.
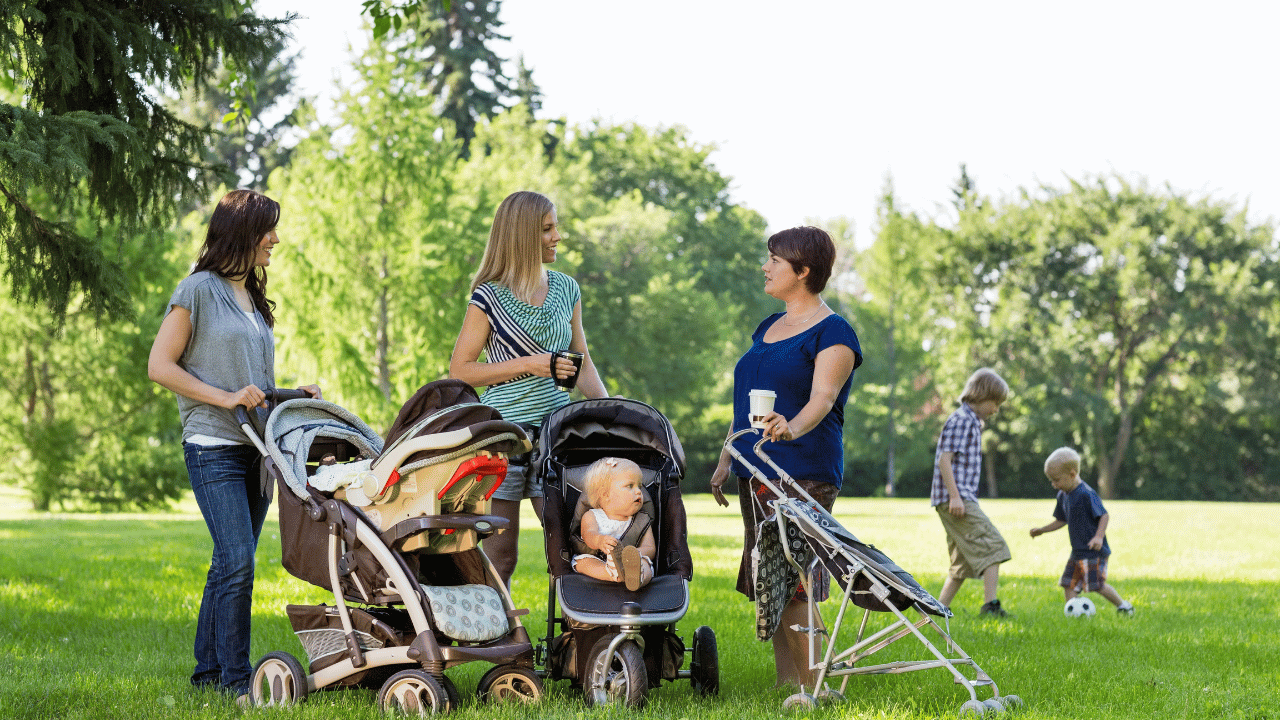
[(962, 435)]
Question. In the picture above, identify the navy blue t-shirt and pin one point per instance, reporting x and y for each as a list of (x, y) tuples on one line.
[(1080, 509), (786, 367)]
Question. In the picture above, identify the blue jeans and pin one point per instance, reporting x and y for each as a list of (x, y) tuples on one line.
[(226, 484)]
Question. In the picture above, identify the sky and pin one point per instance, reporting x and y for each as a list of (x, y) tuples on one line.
[(813, 106)]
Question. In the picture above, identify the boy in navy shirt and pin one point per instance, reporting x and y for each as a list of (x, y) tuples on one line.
[(1080, 509)]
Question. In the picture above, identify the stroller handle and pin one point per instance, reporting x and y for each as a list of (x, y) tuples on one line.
[(274, 397), (783, 477)]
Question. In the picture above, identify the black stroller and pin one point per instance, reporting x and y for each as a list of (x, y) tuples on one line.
[(614, 643), (393, 533), (796, 537)]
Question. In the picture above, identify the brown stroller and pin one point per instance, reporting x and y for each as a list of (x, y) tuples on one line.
[(393, 532)]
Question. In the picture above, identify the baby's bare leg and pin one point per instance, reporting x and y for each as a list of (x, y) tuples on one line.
[(594, 567)]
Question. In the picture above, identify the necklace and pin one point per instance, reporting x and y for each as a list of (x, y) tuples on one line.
[(802, 322)]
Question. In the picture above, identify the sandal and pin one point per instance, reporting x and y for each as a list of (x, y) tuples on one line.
[(630, 568)]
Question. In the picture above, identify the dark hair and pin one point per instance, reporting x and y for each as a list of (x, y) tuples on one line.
[(238, 225), (806, 247)]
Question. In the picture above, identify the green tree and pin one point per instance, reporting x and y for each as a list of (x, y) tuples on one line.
[(451, 44), (890, 419), (87, 428), (254, 137), (369, 265), (83, 133), (1104, 302)]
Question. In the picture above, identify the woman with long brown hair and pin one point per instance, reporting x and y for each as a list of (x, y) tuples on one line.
[(215, 350), (519, 315)]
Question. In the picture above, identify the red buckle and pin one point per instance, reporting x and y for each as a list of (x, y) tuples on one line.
[(482, 467), (392, 479)]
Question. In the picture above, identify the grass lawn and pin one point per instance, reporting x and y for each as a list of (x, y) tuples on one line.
[(97, 615)]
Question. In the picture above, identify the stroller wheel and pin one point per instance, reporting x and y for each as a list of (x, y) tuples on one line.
[(1011, 702), (451, 692), (827, 695), (973, 707), (617, 678), (994, 706), (509, 683), (413, 692), (800, 701), (278, 679), (704, 668)]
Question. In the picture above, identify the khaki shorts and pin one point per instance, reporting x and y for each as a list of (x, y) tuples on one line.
[(973, 542)]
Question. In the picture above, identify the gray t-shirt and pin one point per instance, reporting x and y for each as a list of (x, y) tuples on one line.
[(227, 350)]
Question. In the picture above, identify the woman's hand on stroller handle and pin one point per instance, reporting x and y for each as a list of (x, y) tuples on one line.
[(251, 396)]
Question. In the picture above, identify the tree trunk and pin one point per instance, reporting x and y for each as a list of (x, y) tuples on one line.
[(892, 472), (990, 469), (384, 363)]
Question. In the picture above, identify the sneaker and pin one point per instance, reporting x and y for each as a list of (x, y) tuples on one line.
[(993, 609), (1126, 609)]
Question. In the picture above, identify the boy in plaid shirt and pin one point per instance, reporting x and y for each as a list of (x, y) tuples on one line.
[(975, 546)]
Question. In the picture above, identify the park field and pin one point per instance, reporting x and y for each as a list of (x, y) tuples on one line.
[(97, 614)]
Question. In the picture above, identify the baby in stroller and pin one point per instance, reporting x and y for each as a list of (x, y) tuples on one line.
[(614, 527), (613, 639)]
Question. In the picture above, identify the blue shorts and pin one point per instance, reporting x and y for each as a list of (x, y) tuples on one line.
[(1085, 574), (517, 485)]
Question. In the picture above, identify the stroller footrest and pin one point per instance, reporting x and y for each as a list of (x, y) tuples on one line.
[(582, 594)]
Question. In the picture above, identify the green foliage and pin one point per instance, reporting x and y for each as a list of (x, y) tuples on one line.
[(450, 44), (89, 133), (888, 420), (252, 138), (370, 245), (89, 430), (1115, 310)]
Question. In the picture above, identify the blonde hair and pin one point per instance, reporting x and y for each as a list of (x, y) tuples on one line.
[(983, 385), (596, 481), (513, 255), (1060, 461)]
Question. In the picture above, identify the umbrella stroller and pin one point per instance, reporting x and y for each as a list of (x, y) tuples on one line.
[(797, 537), (393, 531), (614, 643)]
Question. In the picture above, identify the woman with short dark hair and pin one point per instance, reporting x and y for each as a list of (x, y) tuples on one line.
[(215, 350), (806, 355)]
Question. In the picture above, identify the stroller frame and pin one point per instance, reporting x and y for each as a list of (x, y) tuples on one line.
[(881, 585), (410, 656)]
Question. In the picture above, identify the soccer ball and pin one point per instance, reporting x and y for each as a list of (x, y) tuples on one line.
[(1080, 607)]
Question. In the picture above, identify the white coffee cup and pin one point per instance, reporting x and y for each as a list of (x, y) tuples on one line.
[(761, 405)]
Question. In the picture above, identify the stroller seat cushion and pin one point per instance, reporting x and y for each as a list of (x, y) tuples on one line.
[(470, 613)]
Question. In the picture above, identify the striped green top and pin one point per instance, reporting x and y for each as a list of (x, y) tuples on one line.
[(518, 329)]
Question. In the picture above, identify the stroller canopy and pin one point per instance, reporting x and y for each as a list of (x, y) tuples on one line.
[(448, 405), (296, 424), (574, 425)]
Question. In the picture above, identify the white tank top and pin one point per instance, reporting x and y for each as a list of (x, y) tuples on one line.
[(609, 526)]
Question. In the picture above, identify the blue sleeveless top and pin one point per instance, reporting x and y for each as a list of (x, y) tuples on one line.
[(786, 367)]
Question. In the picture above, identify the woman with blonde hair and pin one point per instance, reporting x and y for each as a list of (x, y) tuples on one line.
[(520, 314)]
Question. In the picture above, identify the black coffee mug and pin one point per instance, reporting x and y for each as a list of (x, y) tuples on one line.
[(570, 382)]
